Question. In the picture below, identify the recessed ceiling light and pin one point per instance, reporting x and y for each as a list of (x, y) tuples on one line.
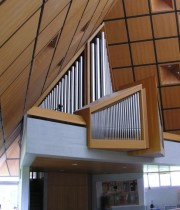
[(74, 164)]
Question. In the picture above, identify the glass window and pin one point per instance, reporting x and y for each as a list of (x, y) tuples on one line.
[(165, 179), (153, 179), (8, 196), (175, 180), (146, 184)]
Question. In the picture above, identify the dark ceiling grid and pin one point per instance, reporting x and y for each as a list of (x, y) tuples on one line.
[(158, 73), (154, 38), (177, 21)]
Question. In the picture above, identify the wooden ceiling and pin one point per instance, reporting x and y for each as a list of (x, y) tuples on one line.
[(38, 38), (144, 40), (80, 166)]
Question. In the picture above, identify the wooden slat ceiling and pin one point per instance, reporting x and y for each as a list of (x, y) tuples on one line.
[(144, 40), (35, 37)]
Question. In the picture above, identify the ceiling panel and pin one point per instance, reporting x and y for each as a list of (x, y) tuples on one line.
[(16, 68), (138, 7), (19, 42), (170, 97), (103, 13), (51, 9), (13, 14), (142, 72), (38, 75), (12, 102), (116, 11), (80, 166), (116, 32), (94, 19), (172, 119), (13, 166), (13, 152), (51, 30), (83, 24), (122, 77), (66, 38)]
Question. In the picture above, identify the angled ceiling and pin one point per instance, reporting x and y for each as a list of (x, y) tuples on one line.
[(37, 40)]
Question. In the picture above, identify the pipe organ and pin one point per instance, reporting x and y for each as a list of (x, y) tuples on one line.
[(99, 68), (68, 95)]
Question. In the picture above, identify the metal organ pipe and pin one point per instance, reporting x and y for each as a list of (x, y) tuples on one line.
[(100, 72), (121, 121), (67, 95)]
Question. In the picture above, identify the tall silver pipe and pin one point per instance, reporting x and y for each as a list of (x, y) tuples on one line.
[(76, 85), (97, 77), (80, 82), (72, 89)]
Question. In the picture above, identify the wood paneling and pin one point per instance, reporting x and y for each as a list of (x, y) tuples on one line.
[(162, 5), (143, 53), (116, 11), (103, 14), (19, 42), (38, 75), (116, 31), (14, 150), (83, 166), (178, 4), (122, 77), (164, 25), (138, 7), (94, 20), (139, 28), (169, 74), (172, 119), (167, 50), (52, 9), (51, 30), (3, 167), (170, 97), (86, 18), (12, 102), (142, 72), (13, 167), (13, 14), (16, 68), (68, 31), (119, 55), (67, 191)]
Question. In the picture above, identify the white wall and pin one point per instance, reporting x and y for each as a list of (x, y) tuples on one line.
[(162, 196), (117, 177)]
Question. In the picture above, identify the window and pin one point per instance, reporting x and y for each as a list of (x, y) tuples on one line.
[(161, 176)]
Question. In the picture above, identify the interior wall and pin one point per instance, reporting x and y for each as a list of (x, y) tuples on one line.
[(67, 191), (164, 196), (96, 179)]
